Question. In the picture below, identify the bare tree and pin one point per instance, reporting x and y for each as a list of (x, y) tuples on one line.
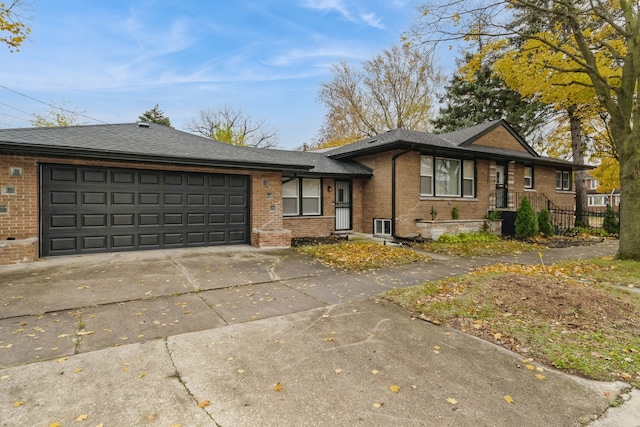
[(232, 126), (392, 90)]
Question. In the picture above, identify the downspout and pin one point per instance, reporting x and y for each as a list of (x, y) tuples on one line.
[(393, 193)]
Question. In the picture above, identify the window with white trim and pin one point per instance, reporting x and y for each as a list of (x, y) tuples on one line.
[(563, 180), (301, 197), (593, 184), (468, 178), (381, 227), (597, 200), (528, 177), (445, 177), (290, 197)]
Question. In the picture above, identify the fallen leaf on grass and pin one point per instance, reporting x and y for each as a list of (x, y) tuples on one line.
[(452, 400), (204, 404), (508, 399)]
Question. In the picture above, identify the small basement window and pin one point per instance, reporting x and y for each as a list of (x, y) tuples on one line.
[(15, 172), (9, 190), (4, 209), (382, 227)]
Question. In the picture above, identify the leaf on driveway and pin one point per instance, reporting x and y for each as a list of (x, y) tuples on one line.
[(452, 400), (394, 388), (541, 377), (204, 404), (62, 360), (375, 371), (277, 387), (338, 371), (18, 404), (508, 399), (82, 417), (378, 405)]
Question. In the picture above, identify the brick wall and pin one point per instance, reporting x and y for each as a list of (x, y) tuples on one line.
[(500, 137), (376, 193), (317, 225), (22, 220)]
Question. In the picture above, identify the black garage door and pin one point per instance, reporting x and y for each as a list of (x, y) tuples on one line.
[(91, 210)]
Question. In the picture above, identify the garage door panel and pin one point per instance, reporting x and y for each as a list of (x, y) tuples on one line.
[(94, 220), (90, 210), (123, 241)]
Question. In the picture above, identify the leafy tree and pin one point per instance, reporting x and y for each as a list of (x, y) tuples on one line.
[(544, 223), (57, 116), (610, 223), (608, 175), (482, 97), (233, 127), (13, 31), (526, 223), (392, 90), (155, 115), (595, 46)]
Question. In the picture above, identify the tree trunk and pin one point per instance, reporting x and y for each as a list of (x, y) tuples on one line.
[(580, 176), (629, 247)]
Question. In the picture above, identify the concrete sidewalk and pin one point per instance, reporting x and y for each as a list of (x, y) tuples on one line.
[(144, 338)]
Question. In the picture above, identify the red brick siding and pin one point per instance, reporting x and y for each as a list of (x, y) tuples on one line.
[(22, 220)]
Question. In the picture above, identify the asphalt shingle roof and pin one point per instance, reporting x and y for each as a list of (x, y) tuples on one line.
[(163, 144)]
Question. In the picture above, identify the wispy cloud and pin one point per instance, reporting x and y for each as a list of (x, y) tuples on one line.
[(347, 12)]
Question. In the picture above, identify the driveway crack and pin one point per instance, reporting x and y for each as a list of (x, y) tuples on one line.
[(176, 375)]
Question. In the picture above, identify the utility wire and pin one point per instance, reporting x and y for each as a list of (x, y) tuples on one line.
[(52, 106)]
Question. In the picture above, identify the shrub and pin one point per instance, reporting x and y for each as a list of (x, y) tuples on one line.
[(526, 223), (454, 213), (610, 223), (544, 223)]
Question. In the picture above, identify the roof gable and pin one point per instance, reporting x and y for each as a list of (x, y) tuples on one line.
[(496, 134)]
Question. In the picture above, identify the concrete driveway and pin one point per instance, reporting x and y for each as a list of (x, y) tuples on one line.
[(239, 336)]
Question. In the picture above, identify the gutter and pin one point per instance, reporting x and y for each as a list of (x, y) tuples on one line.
[(393, 192)]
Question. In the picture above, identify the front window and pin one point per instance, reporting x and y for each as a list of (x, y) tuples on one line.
[(528, 177), (597, 200), (301, 197), (443, 177), (563, 180), (426, 176)]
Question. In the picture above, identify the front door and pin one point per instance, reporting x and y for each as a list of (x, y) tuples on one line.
[(343, 205), (501, 187)]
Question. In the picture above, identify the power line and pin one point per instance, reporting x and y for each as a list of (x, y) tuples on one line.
[(52, 106)]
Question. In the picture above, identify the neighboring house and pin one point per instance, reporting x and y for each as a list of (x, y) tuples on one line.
[(106, 188), (597, 201)]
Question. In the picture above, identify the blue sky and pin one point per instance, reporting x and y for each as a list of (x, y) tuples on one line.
[(113, 60)]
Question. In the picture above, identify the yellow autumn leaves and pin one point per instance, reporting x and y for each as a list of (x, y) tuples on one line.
[(361, 256)]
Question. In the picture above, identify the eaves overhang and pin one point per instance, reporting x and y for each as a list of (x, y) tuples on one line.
[(84, 153)]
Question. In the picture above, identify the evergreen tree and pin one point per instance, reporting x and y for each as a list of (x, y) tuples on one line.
[(486, 98), (155, 115), (544, 223), (610, 223), (526, 221)]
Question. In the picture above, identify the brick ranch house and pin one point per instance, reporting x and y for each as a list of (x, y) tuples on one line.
[(107, 188)]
